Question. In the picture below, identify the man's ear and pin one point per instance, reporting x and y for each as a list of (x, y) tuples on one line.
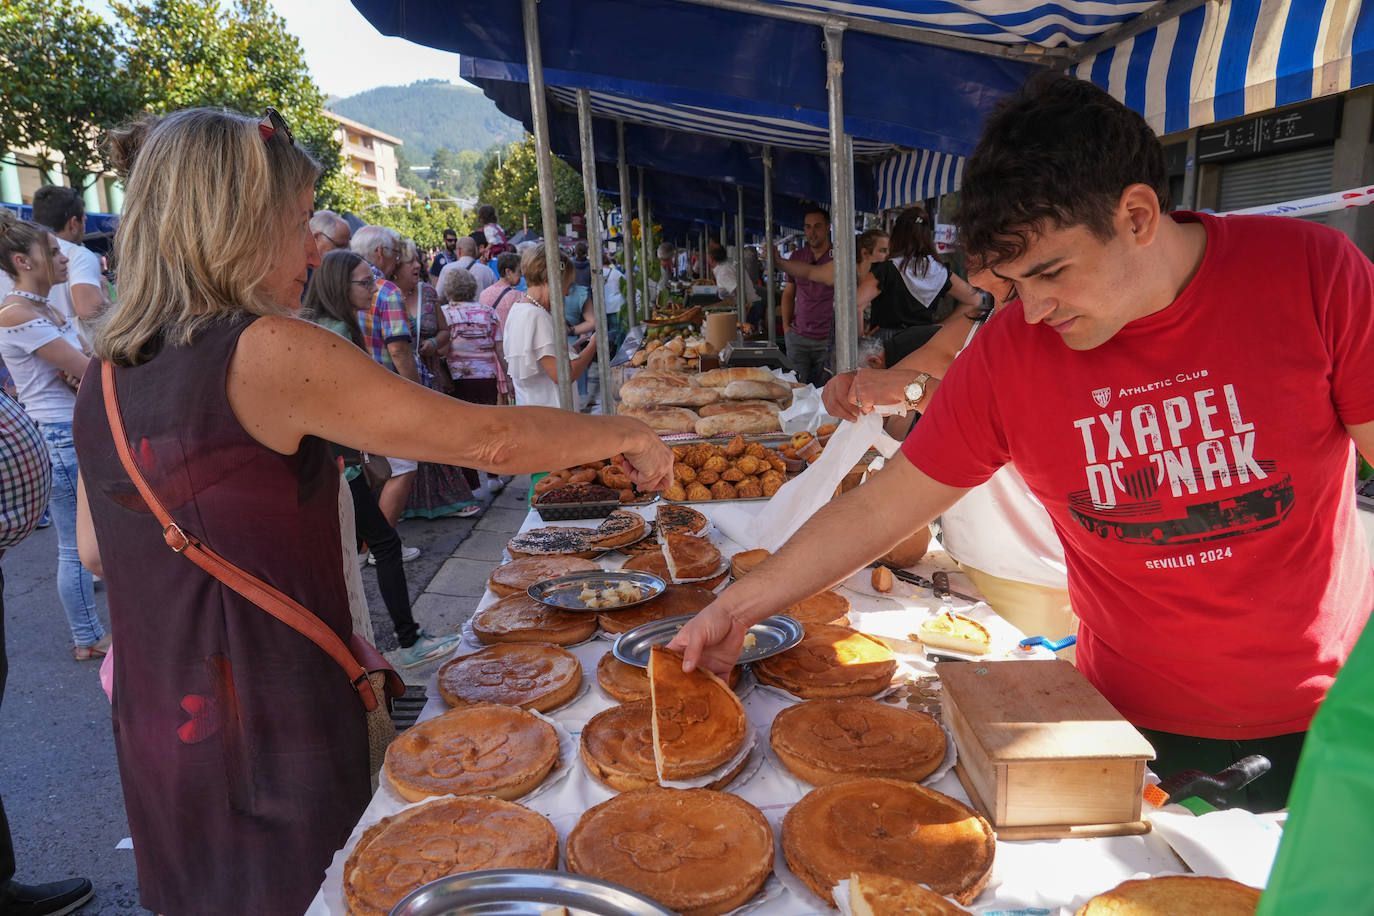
[(77, 224), (1138, 213)]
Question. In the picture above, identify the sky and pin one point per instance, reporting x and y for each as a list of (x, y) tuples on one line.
[(336, 38)]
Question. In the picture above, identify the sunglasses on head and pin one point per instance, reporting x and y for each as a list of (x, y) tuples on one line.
[(273, 122)]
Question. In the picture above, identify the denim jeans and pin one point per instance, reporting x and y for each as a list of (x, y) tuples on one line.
[(75, 588), (808, 356)]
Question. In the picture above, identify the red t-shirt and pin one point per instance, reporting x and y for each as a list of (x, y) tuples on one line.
[(1197, 469)]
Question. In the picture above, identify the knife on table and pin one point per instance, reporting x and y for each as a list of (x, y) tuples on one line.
[(923, 582)]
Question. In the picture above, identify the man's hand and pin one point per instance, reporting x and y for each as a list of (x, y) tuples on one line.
[(876, 387), (713, 638), (838, 397), (650, 463)]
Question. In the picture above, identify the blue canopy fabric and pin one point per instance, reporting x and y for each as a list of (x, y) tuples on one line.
[(904, 178)]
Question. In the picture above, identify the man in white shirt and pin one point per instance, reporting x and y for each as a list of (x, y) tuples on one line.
[(467, 257), (724, 271), (83, 296)]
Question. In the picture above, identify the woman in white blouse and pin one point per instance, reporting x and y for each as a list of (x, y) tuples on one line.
[(47, 357), (528, 335)]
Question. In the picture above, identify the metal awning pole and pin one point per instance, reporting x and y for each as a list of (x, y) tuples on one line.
[(645, 232), (594, 242), (769, 268), (703, 269), (625, 221), (1189, 201), (724, 221), (842, 207), (741, 278), (547, 203)]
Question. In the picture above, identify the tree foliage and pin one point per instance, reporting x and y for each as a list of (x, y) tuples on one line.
[(62, 82), (512, 187), (424, 225)]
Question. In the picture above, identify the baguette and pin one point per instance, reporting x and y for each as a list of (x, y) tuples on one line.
[(719, 378), (719, 407), (748, 420), (768, 391), (650, 394), (659, 377), (664, 419)]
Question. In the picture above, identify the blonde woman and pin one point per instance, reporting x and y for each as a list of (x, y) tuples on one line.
[(242, 747), (527, 338)]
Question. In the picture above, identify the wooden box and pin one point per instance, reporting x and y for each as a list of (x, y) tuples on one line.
[(1041, 752)]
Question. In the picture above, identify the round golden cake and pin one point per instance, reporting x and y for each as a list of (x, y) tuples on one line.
[(519, 618), (689, 558), (658, 565), (699, 722), (677, 519), (617, 746), (823, 607), (530, 675), (890, 827), (553, 542), (696, 851), (825, 741), (621, 527), (1175, 895), (745, 560), (626, 683), (675, 601), (830, 661), (483, 749), (442, 837), (515, 577)]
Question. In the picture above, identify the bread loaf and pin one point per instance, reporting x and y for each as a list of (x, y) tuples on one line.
[(719, 407), (719, 378), (663, 358), (659, 377), (668, 395), (748, 420), (664, 419), (748, 388)]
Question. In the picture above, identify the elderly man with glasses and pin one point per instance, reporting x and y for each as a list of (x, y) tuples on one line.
[(330, 230)]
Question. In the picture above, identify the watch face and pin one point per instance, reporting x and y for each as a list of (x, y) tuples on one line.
[(914, 390)]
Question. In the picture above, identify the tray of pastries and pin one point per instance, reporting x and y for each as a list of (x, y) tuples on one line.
[(708, 472), (588, 490)]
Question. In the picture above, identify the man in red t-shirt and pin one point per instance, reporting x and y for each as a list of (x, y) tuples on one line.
[(1181, 391)]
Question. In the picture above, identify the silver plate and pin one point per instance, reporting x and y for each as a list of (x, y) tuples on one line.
[(524, 892), (563, 592), (772, 635)]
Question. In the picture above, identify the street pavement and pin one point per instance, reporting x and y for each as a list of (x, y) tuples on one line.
[(58, 775)]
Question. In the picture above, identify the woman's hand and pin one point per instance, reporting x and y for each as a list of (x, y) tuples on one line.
[(876, 387), (650, 463), (713, 639)]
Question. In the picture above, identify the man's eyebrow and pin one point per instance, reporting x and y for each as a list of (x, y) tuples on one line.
[(1033, 270)]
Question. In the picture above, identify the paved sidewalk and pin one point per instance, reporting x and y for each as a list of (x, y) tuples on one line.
[(448, 600)]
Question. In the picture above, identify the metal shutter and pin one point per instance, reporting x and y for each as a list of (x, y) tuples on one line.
[(1274, 179)]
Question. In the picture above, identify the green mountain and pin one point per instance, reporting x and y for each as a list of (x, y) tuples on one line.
[(429, 114)]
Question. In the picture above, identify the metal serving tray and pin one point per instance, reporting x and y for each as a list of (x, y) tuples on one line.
[(772, 635), (524, 892), (562, 591)]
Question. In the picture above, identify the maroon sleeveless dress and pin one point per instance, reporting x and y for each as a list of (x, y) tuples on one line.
[(242, 748)]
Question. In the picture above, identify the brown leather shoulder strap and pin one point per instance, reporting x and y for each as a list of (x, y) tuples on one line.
[(271, 600)]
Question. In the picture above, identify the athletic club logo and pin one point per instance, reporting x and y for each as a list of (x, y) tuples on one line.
[(1102, 396)]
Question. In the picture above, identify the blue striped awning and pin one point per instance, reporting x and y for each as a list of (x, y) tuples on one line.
[(913, 176), (1230, 58)]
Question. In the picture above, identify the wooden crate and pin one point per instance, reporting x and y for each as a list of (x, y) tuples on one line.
[(1041, 752)]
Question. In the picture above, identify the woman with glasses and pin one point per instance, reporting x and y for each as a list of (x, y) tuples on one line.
[(242, 746)]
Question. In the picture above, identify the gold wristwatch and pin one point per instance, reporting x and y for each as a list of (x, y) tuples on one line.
[(915, 390)]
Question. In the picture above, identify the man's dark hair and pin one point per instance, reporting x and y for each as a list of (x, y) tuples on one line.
[(480, 237), (507, 260), (54, 206), (817, 208), (449, 233), (716, 252), (1057, 154)]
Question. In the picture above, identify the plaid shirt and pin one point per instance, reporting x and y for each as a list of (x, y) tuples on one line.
[(25, 473), (385, 321)]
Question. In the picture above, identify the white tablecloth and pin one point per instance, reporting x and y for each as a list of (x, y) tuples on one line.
[(1029, 877)]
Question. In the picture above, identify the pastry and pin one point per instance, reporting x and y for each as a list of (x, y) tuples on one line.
[(519, 618), (484, 749), (529, 675), (675, 601), (442, 837), (617, 746), (619, 529), (824, 607), (697, 852), (699, 723), (745, 560), (689, 557), (948, 630), (627, 683), (680, 520), (830, 661), (1175, 895), (553, 542), (710, 410), (515, 577), (882, 579), (657, 564), (825, 741), (884, 895), (890, 827)]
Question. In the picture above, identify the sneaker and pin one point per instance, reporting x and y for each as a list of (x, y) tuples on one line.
[(427, 648), (55, 899), (468, 511), (45, 519), (407, 554)]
